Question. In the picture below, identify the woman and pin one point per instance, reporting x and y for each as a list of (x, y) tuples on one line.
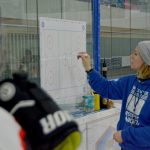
[(133, 128)]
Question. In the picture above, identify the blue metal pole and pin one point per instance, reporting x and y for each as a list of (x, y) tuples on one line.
[(96, 33)]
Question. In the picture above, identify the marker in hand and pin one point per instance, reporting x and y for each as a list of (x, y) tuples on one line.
[(82, 54), (86, 61)]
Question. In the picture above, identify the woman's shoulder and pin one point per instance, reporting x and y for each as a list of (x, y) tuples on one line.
[(128, 78)]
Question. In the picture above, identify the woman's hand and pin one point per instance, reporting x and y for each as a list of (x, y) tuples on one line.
[(117, 137), (86, 61)]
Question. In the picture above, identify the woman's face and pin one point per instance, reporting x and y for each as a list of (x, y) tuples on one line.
[(136, 60)]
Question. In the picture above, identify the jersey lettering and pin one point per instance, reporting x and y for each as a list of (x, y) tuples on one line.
[(51, 122)]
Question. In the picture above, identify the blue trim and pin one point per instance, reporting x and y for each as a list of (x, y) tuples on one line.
[(96, 33)]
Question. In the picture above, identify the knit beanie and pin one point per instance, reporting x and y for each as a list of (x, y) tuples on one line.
[(144, 50)]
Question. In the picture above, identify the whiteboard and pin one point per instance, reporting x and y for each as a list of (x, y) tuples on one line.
[(62, 75)]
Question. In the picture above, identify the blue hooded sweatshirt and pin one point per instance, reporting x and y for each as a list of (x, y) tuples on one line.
[(135, 111)]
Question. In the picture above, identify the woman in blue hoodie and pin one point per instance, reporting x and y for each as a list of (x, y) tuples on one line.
[(133, 128)]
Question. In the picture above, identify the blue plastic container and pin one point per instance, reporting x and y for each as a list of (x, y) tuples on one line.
[(88, 101)]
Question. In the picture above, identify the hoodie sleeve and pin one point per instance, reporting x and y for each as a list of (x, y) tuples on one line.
[(108, 89), (133, 136)]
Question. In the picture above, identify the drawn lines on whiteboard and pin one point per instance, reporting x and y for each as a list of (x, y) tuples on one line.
[(71, 68), (68, 60), (78, 43), (49, 78), (49, 41), (78, 79), (51, 74), (50, 45), (68, 73)]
